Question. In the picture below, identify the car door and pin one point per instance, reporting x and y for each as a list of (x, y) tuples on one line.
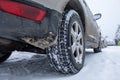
[(92, 29)]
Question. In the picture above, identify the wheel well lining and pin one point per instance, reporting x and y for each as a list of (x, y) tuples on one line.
[(75, 5)]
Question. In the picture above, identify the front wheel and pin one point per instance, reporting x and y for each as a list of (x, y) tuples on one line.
[(67, 56), (99, 48)]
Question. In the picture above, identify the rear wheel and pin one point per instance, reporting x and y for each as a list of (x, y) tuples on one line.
[(4, 56), (67, 56)]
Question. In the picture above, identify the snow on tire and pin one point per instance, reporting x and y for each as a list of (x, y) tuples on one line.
[(67, 56)]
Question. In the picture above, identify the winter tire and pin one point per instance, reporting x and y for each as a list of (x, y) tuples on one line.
[(98, 49), (67, 56), (4, 56)]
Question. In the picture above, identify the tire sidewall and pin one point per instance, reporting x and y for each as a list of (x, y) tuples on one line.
[(75, 17)]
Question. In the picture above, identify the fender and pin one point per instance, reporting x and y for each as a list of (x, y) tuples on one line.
[(53, 4)]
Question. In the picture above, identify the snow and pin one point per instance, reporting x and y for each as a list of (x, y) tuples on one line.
[(30, 66)]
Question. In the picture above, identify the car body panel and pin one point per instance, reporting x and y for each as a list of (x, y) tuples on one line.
[(92, 31), (53, 4), (50, 23), (28, 31)]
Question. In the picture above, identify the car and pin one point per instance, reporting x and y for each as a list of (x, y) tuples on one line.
[(111, 42), (61, 29), (103, 42)]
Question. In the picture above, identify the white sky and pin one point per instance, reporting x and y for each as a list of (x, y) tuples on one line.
[(110, 10)]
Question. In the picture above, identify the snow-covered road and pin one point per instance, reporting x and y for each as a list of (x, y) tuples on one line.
[(24, 66)]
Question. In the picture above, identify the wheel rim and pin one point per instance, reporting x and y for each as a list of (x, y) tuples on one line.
[(77, 42)]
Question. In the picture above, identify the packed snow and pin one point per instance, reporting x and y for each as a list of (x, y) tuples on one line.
[(30, 66)]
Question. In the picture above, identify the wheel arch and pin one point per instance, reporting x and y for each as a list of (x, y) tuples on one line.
[(78, 8)]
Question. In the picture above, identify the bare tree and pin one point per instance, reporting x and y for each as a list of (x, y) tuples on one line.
[(117, 35)]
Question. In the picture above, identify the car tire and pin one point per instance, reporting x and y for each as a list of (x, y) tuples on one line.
[(67, 56), (4, 56), (99, 48)]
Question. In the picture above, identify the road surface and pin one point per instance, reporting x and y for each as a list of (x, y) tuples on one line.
[(30, 66)]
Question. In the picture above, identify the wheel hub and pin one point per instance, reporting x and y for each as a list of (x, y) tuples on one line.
[(77, 42)]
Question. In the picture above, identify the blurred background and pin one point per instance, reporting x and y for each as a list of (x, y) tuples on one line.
[(110, 21), (110, 16)]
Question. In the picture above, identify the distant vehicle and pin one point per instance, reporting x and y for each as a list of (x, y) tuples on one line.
[(63, 28), (103, 42), (111, 43)]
